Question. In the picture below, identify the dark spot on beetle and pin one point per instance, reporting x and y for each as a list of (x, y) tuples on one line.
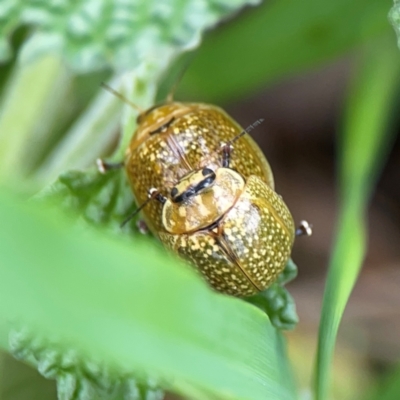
[(194, 190), (174, 192), (140, 117), (163, 127), (207, 171)]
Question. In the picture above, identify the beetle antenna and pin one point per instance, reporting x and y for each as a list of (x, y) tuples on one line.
[(103, 166), (121, 96), (226, 148), (247, 130), (170, 96), (134, 213), (153, 194)]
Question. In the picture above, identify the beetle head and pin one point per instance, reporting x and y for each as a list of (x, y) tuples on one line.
[(200, 198)]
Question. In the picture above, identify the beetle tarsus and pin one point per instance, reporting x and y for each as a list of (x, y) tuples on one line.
[(104, 167), (304, 229), (142, 227)]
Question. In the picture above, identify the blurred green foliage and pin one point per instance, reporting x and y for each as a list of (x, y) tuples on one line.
[(101, 311), (394, 17), (389, 388), (133, 320), (364, 143), (96, 34), (279, 39)]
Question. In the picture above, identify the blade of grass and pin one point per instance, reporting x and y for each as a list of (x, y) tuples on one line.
[(129, 306), (363, 145)]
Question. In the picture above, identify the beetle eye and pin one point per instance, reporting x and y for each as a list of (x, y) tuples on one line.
[(207, 171), (174, 192)]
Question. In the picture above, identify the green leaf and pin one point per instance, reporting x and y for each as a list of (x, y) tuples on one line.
[(122, 34), (364, 143), (278, 39), (79, 378), (130, 308), (100, 199)]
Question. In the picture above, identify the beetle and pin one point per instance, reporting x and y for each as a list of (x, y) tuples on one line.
[(207, 191)]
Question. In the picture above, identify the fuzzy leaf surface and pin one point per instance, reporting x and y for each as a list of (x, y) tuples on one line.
[(122, 34)]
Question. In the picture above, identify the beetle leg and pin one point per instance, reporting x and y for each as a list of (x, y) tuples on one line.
[(226, 154), (304, 229), (104, 167), (142, 227)]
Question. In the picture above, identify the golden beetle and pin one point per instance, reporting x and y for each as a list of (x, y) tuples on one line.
[(212, 191)]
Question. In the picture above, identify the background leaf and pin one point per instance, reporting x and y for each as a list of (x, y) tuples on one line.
[(278, 39), (394, 17), (388, 388), (98, 33)]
